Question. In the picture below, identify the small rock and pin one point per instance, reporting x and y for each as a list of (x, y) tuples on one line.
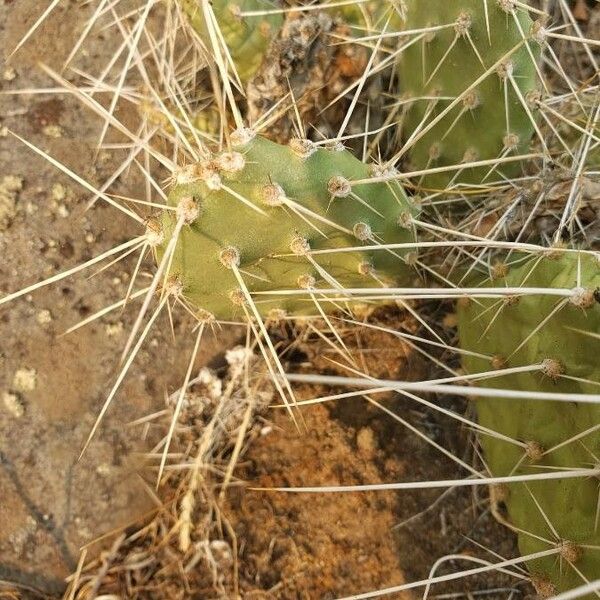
[(365, 440), (9, 74), (13, 404), (53, 131), (25, 380), (103, 470), (59, 192)]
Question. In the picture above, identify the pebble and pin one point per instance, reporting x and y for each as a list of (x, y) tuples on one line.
[(13, 404), (25, 380)]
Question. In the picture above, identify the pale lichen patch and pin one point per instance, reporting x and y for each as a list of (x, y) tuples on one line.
[(13, 404), (43, 317)]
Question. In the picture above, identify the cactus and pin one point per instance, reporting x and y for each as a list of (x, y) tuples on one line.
[(477, 56), (247, 218), (372, 14), (262, 207), (247, 37), (558, 337)]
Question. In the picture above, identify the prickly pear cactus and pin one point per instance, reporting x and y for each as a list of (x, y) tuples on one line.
[(256, 213), (373, 14), (558, 337), (247, 37), (478, 54)]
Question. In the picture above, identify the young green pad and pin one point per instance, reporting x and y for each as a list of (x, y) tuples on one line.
[(247, 37), (263, 207), (554, 435), (455, 44)]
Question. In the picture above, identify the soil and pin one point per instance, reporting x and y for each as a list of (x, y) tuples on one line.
[(350, 543), (52, 503), (290, 546)]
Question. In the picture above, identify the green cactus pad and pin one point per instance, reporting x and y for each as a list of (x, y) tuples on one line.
[(490, 120), (375, 13), (568, 347), (247, 37), (268, 201)]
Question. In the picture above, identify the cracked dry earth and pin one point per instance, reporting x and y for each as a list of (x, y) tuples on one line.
[(52, 386)]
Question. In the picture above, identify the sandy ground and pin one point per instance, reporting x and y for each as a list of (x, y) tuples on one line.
[(53, 386), (51, 503)]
